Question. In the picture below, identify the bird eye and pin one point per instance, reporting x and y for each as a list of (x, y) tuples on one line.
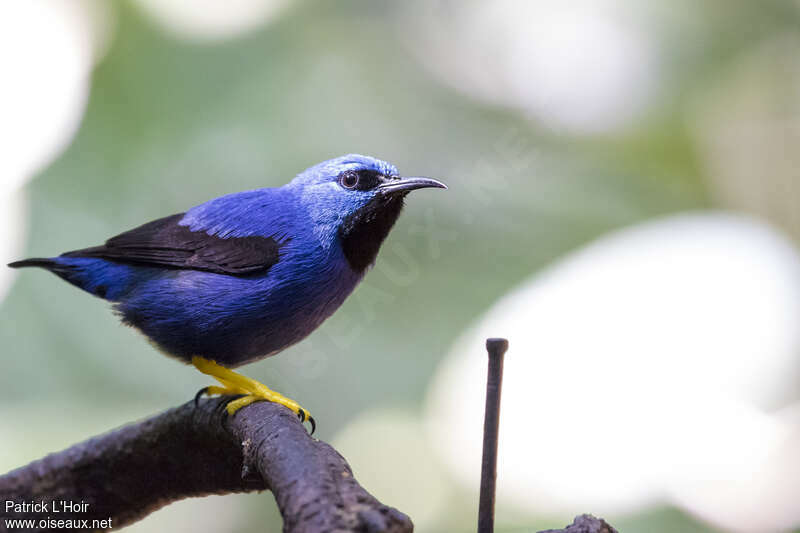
[(349, 180)]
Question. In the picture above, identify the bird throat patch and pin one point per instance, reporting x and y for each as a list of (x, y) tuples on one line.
[(362, 232)]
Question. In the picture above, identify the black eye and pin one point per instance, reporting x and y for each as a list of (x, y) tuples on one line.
[(349, 180)]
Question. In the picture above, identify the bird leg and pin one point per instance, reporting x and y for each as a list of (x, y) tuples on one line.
[(235, 384)]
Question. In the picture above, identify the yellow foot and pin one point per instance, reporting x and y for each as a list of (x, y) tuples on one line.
[(250, 390)]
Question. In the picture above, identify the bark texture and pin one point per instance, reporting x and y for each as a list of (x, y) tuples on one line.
[(198, 450)]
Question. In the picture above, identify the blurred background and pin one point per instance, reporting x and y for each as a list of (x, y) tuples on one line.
[(623, 206)]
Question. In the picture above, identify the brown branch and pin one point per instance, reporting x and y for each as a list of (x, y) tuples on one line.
[(194, 451), (585, 523)]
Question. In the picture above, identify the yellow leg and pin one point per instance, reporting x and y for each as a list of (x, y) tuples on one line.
[(253, 391)]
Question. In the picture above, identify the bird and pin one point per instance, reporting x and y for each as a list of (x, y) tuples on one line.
[(244, 276)]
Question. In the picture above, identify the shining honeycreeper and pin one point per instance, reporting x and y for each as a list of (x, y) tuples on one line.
[(243, 276)]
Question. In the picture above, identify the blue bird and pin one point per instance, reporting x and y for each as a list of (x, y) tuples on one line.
[(244, 276)]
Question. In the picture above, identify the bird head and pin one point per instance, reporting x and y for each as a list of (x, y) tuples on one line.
[(355, 200)]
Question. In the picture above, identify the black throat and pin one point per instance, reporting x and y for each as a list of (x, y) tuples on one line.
[(362, 233)]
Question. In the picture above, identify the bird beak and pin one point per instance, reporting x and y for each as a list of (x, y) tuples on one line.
[(409, 184)]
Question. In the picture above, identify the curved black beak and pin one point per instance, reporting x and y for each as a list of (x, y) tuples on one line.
[(409, 184)]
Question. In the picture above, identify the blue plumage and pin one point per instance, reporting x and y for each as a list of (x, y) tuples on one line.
[(245, 275)]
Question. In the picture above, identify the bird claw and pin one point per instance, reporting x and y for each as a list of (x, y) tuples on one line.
[(222, 405), (244, 390), (303, 416), (202, 392)]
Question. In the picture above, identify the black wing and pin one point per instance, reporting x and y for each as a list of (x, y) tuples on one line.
[(164, 243)]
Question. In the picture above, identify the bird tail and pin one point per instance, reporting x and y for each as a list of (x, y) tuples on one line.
[(64, 271), (41, 262), (70, 271)]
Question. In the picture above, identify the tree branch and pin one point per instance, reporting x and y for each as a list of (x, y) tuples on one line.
[(585, 523), (195, 451)]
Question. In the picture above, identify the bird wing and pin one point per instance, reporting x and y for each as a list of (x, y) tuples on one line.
[(167, 244)]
